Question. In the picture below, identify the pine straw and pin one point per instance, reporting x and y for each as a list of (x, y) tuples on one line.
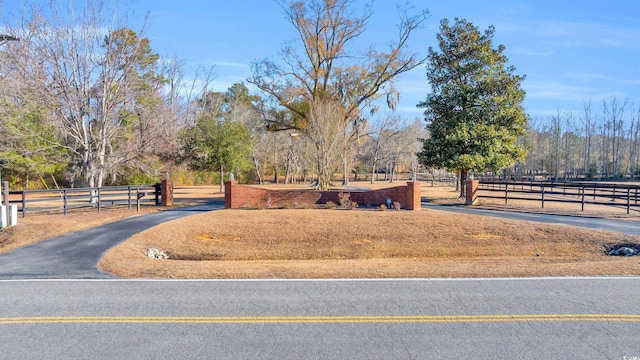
[(364, 244)]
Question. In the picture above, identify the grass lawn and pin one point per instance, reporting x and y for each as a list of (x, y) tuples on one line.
[(362, 243)]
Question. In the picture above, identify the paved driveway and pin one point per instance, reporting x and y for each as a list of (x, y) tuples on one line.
[(76, 255), (621, 226)]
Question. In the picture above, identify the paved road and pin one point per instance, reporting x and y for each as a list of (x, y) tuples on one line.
[(76, 255), (622, 226), (564, 318)]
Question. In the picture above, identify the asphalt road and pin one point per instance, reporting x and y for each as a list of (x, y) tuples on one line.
[(76, 255), (563, 318)]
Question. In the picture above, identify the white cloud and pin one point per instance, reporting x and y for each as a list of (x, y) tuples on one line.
[(231, 64), (588, 76), (558, 91), (529, 51), (575, 34)]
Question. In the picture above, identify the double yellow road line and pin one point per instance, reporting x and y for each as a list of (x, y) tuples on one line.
[(322, 319)]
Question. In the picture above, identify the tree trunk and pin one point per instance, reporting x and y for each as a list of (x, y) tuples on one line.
[(463, 178), (392, 171), (257, 166), (221, 179), (345, 172)]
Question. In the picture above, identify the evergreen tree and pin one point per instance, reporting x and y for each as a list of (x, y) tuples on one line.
[(474, 113)]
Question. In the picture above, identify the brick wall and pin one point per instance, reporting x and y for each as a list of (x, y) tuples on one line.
[(248, 197)]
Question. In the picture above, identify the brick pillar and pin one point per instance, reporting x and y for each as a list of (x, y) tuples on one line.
[(471, 191), (414, 195), (166, 191), (228, 193)]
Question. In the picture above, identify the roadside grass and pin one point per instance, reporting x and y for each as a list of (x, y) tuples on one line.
[(362, 243), (36, 227), (366, 243)]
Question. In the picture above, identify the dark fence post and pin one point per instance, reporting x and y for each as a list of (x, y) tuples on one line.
[(542, 196), (583, 199), (64, 201), (628, 199), (158, 192), (5, 199), (506, 194), (98, 192), (24, 204), (5, 194)]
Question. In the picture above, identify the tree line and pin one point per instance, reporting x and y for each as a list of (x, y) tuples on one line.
[(86, 101), (600, 143)]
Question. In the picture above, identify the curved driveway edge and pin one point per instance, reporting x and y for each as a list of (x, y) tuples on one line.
[(76, 255), (622, 226)]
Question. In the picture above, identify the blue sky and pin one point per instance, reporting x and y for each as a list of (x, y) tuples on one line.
[(570, 51)]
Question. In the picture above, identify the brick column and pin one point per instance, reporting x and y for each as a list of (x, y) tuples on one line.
[(471, 191), (414, 195), (166, 191), (228, 193)]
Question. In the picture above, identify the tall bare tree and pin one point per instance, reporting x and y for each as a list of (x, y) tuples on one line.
[(325, 135), (613, 116), (327, 68), (382, 133), (96, 78)]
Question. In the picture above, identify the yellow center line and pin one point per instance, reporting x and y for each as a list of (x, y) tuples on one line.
[(323, 319)]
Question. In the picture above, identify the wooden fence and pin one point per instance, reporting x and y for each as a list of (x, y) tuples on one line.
[(29, 201), (618, 195)]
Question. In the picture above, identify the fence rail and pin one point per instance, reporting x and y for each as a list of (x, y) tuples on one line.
[(617, 195), (29, 201)]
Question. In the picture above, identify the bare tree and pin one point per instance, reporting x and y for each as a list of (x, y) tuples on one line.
[(383, 132), (325, 138), (91, 74), (613, 117), (329, 69), (634, 135)]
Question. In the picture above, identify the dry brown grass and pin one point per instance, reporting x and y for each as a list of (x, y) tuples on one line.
[(40, 226), (363, 243), (341, 243), (366, 243)]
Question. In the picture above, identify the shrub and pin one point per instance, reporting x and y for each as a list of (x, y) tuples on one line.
[(330, 205), (383, 207), (396, 205), (269, 203), (345, 200)]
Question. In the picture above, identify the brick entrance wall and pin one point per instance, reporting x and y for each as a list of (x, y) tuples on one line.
[(248, 197)]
